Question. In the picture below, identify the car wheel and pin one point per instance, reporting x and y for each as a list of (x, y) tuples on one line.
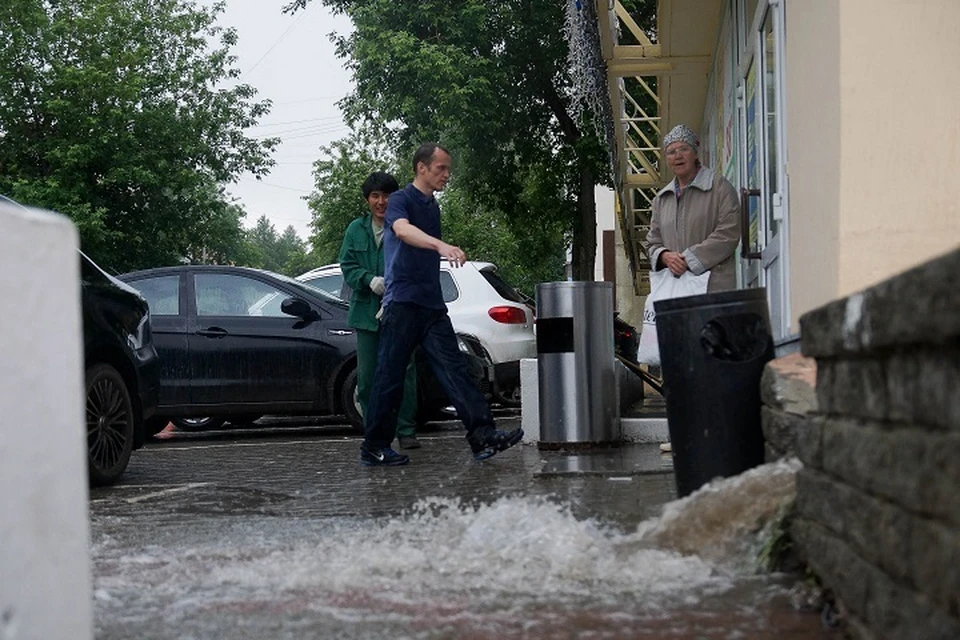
[(245, 420), (110, 424), (198, 424), (350, 401), (510, 397)]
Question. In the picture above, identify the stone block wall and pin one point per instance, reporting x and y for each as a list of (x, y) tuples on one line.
[(878, 499), (788, 396)]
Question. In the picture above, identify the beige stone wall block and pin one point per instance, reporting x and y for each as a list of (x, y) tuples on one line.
[(788, 383), (813, 153), (899, 198)]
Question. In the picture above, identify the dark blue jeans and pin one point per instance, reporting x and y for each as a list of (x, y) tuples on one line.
[(403, 327)]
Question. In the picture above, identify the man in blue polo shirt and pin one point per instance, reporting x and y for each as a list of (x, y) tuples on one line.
[(414, 313)]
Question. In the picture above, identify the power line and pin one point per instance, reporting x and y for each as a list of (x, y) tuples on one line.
[(320, 99), (278, 41), (275, 186), (277, 124), (315, 133), (300, 132)]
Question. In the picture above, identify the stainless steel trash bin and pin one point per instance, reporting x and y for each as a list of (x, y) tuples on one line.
[(575, 364)]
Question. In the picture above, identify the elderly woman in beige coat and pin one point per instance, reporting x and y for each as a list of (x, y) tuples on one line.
[(696, 218)]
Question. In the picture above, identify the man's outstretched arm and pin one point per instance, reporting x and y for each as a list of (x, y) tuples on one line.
[(415, 237)]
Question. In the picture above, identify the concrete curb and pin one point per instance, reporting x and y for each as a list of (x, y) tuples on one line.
[(644, 430), (637, 430)]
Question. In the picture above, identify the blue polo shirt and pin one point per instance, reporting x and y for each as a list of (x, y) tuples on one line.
[(412, 274)]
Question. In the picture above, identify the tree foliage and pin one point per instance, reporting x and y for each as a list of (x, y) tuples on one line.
[(284, 253), (113, 112), (489, 80), (222, 240), (525, 256)]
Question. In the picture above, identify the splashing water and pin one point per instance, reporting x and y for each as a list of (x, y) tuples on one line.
[(516, 547), (520, 567), (725, 521)]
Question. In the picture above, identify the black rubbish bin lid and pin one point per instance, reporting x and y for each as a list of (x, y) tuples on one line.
[(717, 298)]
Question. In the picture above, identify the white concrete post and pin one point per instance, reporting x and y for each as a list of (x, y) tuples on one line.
[(529, 400), (45, 577), (640, 430)]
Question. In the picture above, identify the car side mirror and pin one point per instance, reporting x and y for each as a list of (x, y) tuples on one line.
[(298, 308)]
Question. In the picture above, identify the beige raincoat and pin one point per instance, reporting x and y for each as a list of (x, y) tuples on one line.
[(703, 225)]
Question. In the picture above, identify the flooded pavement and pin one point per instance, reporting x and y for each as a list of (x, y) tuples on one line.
[(285, 535)]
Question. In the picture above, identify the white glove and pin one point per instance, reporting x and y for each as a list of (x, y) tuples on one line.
[(378, 285)]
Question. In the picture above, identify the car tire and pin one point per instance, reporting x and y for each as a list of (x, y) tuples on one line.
[(509, 397), (350, 401), (198, 424), (246, 420), (111, 424)]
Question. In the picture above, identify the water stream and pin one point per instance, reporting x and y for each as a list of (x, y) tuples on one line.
[(520, 567)]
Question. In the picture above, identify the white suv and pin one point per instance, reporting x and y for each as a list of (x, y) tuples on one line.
[(493, 319)]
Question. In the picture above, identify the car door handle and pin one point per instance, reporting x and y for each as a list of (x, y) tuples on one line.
[(212, 332), (339, 332)]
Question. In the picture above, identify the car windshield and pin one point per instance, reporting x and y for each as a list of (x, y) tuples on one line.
[(300, 286), (331, 283)]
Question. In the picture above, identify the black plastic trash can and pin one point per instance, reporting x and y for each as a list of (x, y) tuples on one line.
[(713, 349)]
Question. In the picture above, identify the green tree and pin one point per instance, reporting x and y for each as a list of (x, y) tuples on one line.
[(490, 80), (524, 259), (525, 254), (113, 112), (302, 262), (223, 239), (283, 253), (262, 238), (291, 251)]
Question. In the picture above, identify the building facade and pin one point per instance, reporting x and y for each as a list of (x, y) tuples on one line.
[(838, 121)]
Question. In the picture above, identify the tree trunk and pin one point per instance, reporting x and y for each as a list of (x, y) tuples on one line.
[(584, 250)]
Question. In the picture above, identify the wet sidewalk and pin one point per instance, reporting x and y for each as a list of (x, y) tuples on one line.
[(289, 537)]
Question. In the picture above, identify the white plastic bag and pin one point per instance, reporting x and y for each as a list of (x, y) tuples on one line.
[(664, 286)]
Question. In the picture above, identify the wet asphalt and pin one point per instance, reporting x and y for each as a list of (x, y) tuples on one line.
[(294, 467)]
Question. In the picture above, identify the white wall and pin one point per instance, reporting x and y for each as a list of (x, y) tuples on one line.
[(900, 114), (606, 219), (873, 97), (45, 578), (813, 153), (606, 216)]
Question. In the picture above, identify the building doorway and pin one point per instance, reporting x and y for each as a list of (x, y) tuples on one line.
[(763, 176)]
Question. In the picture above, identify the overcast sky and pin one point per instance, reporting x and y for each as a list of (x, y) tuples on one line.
[(290, 60)]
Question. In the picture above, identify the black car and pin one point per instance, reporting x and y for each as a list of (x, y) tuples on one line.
[(121, 369), (237, 343), (121, 374)]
